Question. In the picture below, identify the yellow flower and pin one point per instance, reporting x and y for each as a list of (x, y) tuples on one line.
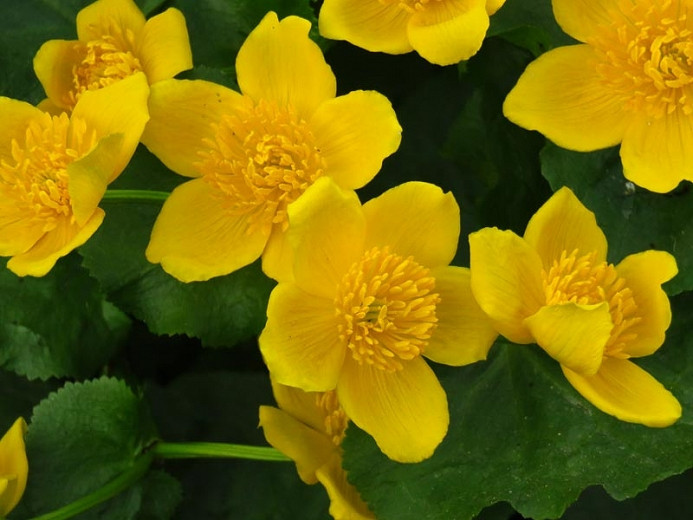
[(554, 287), (14, 467), (308, 427), (371, 293), (55, 169), (114, 42), (630, 82), (441, 31), (254, 153)]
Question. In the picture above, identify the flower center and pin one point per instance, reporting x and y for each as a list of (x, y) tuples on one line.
[(646, 56), (261, 159), (411, 6), (104, 61), (581, 280), (386, 309), (335, 419), (36, 178)]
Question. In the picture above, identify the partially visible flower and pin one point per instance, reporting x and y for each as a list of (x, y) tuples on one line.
[(555, 288), (55, 169), (308, 427), (370, 295), (14, 467), (441, 31), (252, 154), (114, 42), (630, 82)]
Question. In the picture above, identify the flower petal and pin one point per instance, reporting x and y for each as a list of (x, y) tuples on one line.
[(308, 448), (300, 404), (626, 391), (405, 411), (506, 280), (13, 462), (657, 154), (367, 24), (345, 501), (16, 116), (183, 114), (464, 334), (580, 18), (300, 343), (120, 108), (164, 47), (493, 5), (55, 244), (561, 95), (195, 238), (574, 335), (355, 133), (278, 256), (417, 219), (54, 64), (20, 228), (278, 62), (95, 20), (564, 224), (644, 274), (448, 32), (326, 230)]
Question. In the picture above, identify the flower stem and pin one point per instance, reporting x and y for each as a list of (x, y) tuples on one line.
[(191, 450), (135, 195)]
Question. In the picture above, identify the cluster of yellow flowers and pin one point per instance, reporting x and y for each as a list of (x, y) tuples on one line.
[(365, 291)]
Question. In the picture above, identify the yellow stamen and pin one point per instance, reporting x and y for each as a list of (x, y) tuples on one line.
[(386, 307), (335, 419)]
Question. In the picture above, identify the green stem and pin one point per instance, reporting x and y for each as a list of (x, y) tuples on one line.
[(135, 195), (191, 450), (114, 487)]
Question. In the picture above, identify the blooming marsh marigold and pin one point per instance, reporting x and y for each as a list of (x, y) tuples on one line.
[(441, 31), (371, 294), (252, 154), (629, 82), (554, 287), (308, 427), (114, 42), (55, 169), (14, 467)]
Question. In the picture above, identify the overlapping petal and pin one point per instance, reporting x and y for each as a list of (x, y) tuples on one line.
[(580, 18), (53, 64), (345, 501), (95, 20), (16, 116), (163, 47)]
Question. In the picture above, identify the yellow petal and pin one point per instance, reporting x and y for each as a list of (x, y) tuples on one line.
[(300, 343), (506, 280), (448, 32), (14, 464), (417, 219), (46, 105), (405, 411), (16, 116), (95, 20), (300, 404), (564, 224), (345, 501), (561, 95), (308, 448), (278, 256), (183, 114), (493, 5), (367, 24), (464, 334), (657, 154), (164, 47), (626, 391), (580, 18), (54, 64), (278, 62), (120, 108), (20, 229), (355, 133), (574, 335), (644, 274), (55, 244), (195, 238), (327, 231)]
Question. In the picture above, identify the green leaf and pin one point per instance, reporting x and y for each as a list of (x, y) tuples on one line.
[(160, 497), (632, 219), (520, 433)]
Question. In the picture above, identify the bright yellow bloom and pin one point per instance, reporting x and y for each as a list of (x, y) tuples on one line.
[(14, 467), (308, 427), (554, 287), (254, 153), (441, 31), (114, 42), (55, 169), (371, 293), (630, 82)]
